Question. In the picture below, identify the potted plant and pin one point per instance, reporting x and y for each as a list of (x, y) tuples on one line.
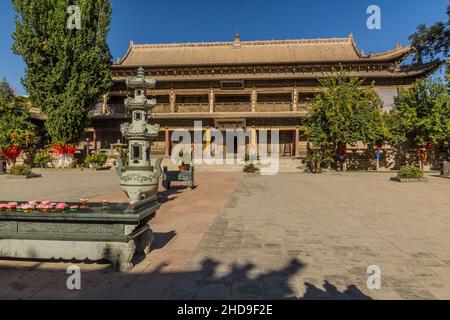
[(96, 160), (184, 160), (21, 171), (250, 167), (409, 174), (42, 159)]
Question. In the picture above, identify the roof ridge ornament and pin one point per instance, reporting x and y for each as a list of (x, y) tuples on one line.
[(237, 40)]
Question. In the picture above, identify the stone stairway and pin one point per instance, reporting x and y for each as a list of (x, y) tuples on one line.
[(286, 164)]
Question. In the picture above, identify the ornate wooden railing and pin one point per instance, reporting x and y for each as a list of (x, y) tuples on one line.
[(273, 106), (161, 108), (233, 107), (115, 109), (192, 107), (218, 107)]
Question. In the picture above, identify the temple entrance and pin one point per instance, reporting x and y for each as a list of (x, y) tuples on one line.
[(232, 145)]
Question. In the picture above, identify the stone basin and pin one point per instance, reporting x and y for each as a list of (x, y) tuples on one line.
[(115, 233)]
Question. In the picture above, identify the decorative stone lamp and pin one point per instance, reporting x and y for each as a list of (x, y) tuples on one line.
[(139, 178)]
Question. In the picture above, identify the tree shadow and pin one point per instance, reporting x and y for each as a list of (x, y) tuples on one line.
[(238, 284), (212, 280), (331, 292)]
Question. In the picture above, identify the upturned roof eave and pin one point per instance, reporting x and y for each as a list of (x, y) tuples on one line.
[(398, 53)]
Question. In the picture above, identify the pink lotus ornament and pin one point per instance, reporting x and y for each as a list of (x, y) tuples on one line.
[(27, 208), (61, 206), (11, 206), (33, 203)]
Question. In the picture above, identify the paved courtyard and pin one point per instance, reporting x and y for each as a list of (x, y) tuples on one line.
[(292, 235)]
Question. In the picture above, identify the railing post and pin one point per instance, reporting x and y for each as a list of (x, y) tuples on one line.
[(254, 98), (167, 143), (211, 100), (295, 99), (172, 99)]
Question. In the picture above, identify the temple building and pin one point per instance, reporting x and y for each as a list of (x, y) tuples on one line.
[(245, 84)]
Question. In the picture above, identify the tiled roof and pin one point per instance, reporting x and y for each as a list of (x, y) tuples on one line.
[(253, 52)]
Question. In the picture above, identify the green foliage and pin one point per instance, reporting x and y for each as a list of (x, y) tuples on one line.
[(184, 157), (67, 70), (250, 168), (42, 159), (344, 113), (432, 41), (410, 172), (20, 170), (318, 157), (97, 160), (421, 113), (16, 130)]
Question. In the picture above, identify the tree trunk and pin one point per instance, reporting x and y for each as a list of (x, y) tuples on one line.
[(318, 166)]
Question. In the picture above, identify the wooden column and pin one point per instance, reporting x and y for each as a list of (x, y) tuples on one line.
[(94, 138), (208, 140), (211, 100), (254, 141), (297, 142), (167, 143), (295, 99), (172, 99), (254, 99)]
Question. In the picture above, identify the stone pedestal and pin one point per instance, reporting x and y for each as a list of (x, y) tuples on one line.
[(114, 234)]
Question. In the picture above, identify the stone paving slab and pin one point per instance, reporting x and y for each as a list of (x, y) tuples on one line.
[(289, 236), (313, 236), (177, 233)]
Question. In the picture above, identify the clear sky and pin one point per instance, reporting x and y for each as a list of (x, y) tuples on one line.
[(151, 21)]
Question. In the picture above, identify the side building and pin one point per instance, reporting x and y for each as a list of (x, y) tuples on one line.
[(245, 84)]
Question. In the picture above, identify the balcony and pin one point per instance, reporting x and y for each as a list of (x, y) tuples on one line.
[(161, 108), (233, 107), (192, 107), (115, 109), (273, 106)]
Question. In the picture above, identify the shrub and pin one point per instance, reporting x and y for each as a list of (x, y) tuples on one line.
[(96, 160), (20, 170), (42, 158), (410, 172), (250, 168)]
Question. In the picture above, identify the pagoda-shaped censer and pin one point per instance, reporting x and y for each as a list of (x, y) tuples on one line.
[(138, 178)]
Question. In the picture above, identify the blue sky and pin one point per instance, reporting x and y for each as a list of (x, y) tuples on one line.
[(146, 21)]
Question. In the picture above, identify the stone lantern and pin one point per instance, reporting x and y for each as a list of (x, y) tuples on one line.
[(138, 178)]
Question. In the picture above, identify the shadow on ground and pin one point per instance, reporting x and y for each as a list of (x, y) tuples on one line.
[(206, 283)]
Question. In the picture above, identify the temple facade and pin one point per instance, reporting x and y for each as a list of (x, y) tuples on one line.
[(257, 85)]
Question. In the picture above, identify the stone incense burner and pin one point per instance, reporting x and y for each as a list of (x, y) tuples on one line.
[(139, 178)]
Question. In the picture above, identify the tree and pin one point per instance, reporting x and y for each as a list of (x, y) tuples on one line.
[(421, 114), (432, 41), (16, 131), (344, 113), (68, 69)]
